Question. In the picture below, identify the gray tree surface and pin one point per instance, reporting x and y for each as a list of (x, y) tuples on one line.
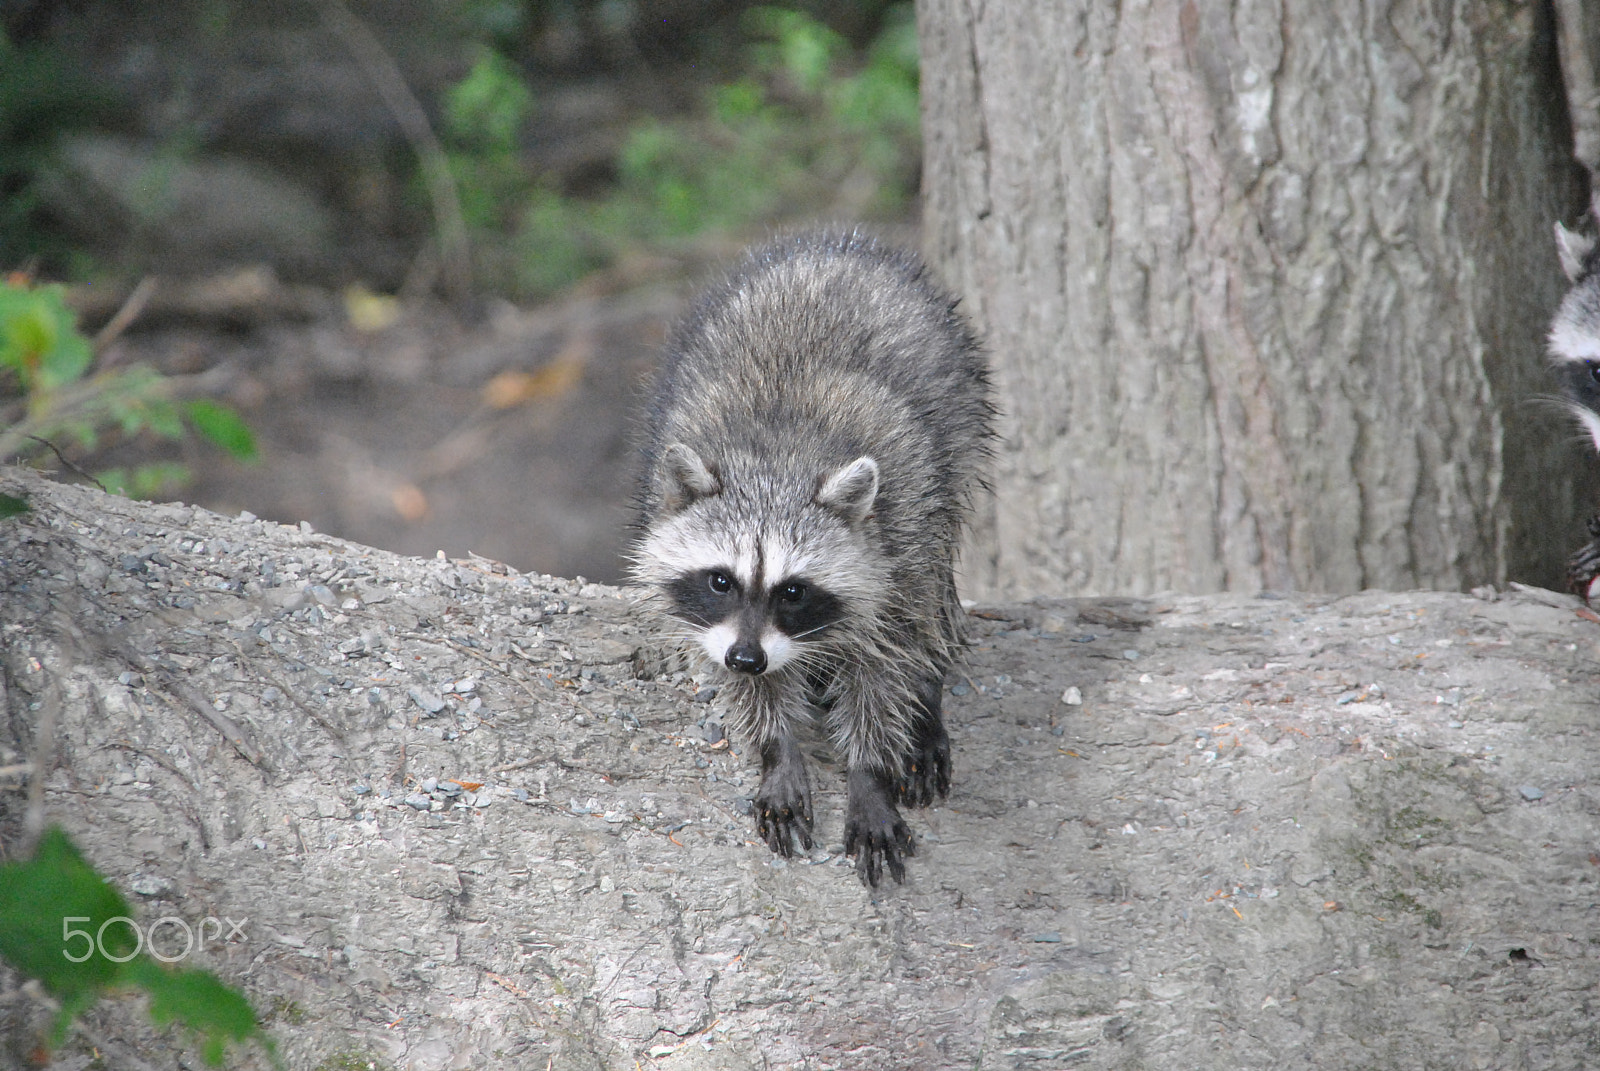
[(1265, 284), (466, 818)]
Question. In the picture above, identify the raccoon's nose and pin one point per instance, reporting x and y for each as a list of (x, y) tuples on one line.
[(746, 658)]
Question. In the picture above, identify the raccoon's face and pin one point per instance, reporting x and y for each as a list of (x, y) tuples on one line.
[(748, 623), (1575, 348), (1575, 331), (1581, 382), (757, 587)]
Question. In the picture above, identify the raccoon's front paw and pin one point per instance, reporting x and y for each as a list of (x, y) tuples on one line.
[(1583, 568), (783, 814), (874, 832), (927, 775), (783, 803)]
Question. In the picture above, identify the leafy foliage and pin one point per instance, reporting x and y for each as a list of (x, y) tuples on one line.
[(222, 426), (41, 346), (195, 999), (35, 897), (66, 926), (808, 109), (809, 127), (39, 338), (40, 97)]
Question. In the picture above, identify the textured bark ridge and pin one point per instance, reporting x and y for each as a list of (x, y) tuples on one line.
[(1265, 285), (457, 828)]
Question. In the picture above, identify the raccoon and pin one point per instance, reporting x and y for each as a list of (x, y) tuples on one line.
[(1575, 350), (818, 426)]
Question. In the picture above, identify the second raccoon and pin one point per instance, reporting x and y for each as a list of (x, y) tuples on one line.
[(817, 429), (1575, 351)]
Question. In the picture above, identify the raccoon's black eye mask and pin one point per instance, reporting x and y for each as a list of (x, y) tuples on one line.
[(801, 609), (704, 596), (795, 606), (1583, 381), (723, 584)]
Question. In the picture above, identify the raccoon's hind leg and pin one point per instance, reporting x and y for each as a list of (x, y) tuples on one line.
[(872, 727), (926, 773), (783, 803)]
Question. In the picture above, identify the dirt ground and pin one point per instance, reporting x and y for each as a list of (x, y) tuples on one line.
[(473, 818), (412, 428)]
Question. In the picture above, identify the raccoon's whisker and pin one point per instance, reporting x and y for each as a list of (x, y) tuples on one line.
[(811, 631)]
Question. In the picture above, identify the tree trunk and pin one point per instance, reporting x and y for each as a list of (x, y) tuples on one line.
[(1265, 286)]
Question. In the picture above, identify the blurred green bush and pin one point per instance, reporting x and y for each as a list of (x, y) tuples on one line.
[(810, 127)]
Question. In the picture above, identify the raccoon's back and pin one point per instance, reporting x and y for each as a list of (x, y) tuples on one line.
[(819, 348)]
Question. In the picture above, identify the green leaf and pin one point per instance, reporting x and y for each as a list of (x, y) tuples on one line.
[(152, 480), (54, 910), (737, 101), (222, 426), (156, 479), (489, 106), (12, 505), (39, 336), (158, 416), (64, 925), (116, 481), (199, 1001), (802, 47)]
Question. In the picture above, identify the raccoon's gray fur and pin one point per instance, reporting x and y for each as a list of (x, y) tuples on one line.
[(1575, 350), (1575, 331), (818, 425)]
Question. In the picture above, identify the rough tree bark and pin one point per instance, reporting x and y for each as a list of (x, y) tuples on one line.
[(456, 827), (1266, 286)]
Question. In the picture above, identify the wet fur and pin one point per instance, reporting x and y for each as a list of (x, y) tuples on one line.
[(819, 352)]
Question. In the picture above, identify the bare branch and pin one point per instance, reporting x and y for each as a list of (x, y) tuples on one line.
[(129, 312), (390, 83), (54, 449)]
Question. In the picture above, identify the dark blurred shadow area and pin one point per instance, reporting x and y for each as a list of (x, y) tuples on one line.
[(426, 250)]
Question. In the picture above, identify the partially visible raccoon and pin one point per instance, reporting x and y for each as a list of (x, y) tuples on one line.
[(1575, 349), (818, 426)]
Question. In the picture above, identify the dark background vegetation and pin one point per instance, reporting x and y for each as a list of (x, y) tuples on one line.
[(427, 249)]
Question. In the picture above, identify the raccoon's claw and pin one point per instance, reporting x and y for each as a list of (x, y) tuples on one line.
[(783, 805), (875, 849), (874, 832), (782, 825)]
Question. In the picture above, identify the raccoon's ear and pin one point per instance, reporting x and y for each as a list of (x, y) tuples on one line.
[(685, 478), (851, 491), (1573, 248)]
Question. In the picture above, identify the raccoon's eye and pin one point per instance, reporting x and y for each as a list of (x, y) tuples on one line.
[(1594, 370), (721, 583), (792, 592)]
